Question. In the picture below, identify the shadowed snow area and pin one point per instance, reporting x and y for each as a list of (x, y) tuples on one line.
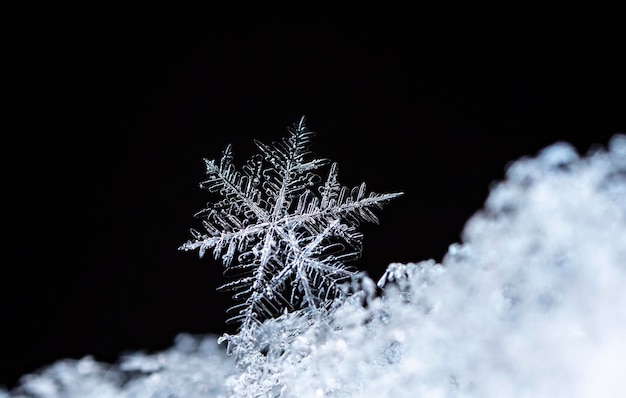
[(532, 303)]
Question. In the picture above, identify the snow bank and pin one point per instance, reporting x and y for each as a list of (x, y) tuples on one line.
[(532, 303), (194, 367)]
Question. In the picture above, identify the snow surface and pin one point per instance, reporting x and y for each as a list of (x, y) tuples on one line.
[(532, 303)]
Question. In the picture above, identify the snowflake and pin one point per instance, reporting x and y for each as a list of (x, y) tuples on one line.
[(282, 235)]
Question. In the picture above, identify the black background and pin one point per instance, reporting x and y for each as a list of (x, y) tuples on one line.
[(116, 105)]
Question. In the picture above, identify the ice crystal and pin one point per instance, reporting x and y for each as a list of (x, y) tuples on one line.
[(283, 234)]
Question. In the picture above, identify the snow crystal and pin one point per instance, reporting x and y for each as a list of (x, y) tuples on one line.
[(292, 243)]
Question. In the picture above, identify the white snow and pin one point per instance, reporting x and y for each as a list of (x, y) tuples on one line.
[(531, 303)]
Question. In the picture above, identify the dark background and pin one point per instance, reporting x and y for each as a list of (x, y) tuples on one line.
[(116, 105)]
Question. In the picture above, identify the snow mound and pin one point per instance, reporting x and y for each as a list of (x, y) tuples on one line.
[(531, 303), (194, 367)]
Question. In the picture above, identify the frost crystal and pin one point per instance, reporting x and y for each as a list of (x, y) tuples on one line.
[(282, 234)]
